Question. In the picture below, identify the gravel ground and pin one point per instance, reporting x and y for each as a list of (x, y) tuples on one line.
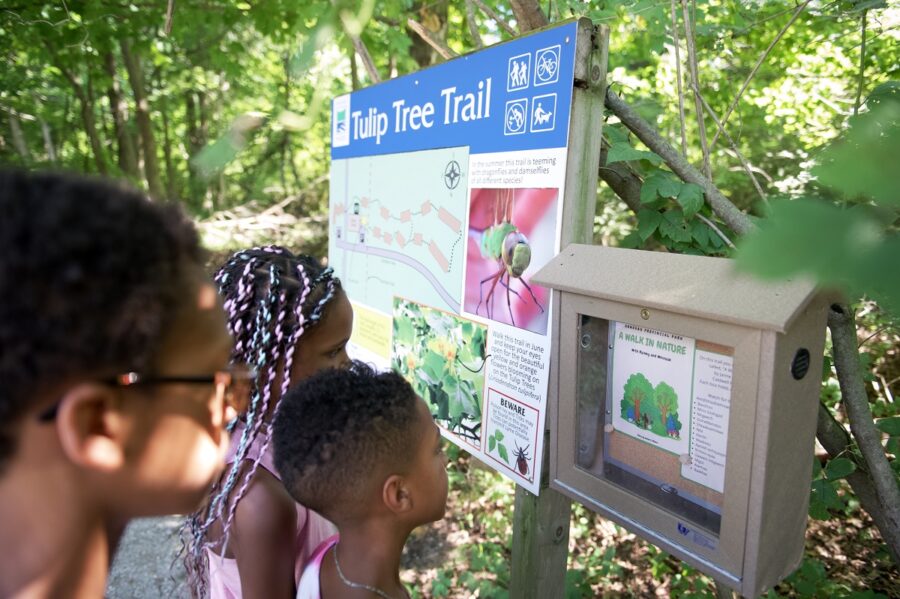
[(143, 567)]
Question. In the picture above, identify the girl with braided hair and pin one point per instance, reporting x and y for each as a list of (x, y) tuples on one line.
[(289, 318)]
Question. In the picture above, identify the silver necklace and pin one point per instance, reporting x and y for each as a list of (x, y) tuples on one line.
[(357, 585)]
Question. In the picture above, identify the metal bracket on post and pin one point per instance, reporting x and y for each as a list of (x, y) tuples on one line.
[(541, 523)]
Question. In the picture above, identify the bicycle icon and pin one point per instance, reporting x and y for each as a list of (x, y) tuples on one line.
[(547, 65)]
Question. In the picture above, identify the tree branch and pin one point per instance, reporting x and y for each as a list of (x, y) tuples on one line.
[(677, 43), (755, 68), (829, 432), (497, 18), (695, 86), (473, 25), (170, 14), (868, 438), (625, 183), (366, 58), (744, 163), (721, 206), (435, 43), (862, 63), (716, 230), (528, 14)]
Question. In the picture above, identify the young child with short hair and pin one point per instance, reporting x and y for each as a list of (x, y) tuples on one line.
[(361, 448)]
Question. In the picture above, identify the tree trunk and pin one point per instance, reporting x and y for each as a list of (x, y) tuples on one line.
[(193, 130), (90, 126), (203, 111), (167, 153), (845, 350), (145, 125), (18, 138), (354, 72), (528, 15), (48, 141), (128, 161), (432, 16), (87, 117)]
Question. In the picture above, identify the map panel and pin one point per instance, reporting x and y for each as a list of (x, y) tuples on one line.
[(398, 224)]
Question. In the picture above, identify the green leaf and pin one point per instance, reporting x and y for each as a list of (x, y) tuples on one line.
[(846, 248), (433, 363), (631, 241), (499, 434), (891, 426), (623, 152), (839, 468), (824, 492), (615, 134), (492, 442), (700, 231), (817, 468), (862, 161), (857, 7), (454, 401), (818, 511), (691, 199), (675, 227), (404, 333), (216, 156), (826, 368), (661, 184), (893, 446), (669, 188), (648, 221), (504, 455), (867, 594)]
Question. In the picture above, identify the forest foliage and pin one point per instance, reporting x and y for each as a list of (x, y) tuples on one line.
[(222, 106)]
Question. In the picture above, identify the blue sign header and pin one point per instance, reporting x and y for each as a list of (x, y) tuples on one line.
[(513, 96)]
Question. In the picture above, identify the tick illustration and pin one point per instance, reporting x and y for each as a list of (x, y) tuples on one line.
[(522, 460)]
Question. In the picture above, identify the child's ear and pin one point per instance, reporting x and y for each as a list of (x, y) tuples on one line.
[(396, 495), (91, 428)]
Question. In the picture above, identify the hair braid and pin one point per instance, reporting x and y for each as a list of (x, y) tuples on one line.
[(271, 298)]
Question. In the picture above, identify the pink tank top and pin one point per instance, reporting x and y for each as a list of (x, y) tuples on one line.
[(309, 587), (312, 529)]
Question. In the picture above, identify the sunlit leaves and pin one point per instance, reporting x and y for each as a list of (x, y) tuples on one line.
[(845, 247), (862, 163)]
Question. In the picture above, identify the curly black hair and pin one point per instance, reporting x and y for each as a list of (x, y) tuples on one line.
[(91, 274), (339, 427)]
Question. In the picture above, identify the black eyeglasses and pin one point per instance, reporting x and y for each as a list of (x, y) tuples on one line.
[(232, 384)]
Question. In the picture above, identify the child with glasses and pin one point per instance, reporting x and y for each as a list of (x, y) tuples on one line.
[(361, 448), (110, 340), (289, 318)]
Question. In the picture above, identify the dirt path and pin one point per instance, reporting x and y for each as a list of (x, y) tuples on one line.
[(143, 567)]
